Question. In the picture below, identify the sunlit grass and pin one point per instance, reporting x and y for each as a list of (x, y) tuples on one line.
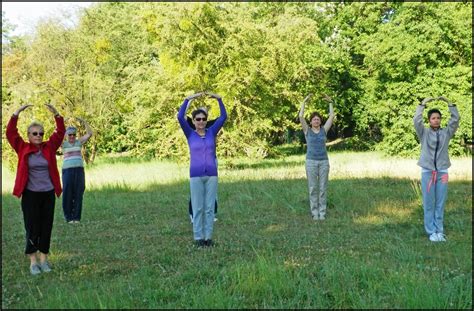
[(386, 214), (140, 174)]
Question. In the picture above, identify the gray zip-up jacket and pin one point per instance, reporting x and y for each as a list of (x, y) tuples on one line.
[(434, 144)]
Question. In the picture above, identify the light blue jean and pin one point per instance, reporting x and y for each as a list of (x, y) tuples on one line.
[(203, 199), (434, 187)]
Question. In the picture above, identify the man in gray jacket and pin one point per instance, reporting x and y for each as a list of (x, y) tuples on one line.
[(434, 162)]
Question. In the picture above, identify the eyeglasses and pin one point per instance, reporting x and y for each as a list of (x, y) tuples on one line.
[(71, 134), (200, 119), (36, 134)]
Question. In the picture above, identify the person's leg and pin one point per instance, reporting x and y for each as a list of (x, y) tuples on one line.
[(210, 200), (311, 174), (30, 214), (323, 185), (428, 193), (215, 207), (33, 260), (190, 210), (47, 219), (197, 201), (73, 188), (29, 207), (441, 195), (79, 193), (68, 187)]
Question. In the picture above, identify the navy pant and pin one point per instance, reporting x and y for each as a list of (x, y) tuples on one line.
[(74, 185), (38, 216)]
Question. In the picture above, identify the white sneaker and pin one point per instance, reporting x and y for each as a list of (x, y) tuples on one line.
[(434, 237), (441, 237), (215, 219)]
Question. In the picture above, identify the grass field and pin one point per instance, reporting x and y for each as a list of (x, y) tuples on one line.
[(133, 248)]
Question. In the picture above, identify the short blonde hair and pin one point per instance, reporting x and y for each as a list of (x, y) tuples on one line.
[(35, 124)]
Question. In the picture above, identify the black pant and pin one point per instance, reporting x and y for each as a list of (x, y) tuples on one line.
[(190, 209), (38, 215), (73, 191)]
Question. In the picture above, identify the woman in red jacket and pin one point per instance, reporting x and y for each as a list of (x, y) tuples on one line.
[(37, 181)]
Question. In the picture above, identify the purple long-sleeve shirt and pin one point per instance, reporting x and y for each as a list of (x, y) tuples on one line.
[(202, 149)]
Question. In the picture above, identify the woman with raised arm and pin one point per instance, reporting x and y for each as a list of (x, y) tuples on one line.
[(37, 181), (208, 124), (317, 162), (434, 163), (74, 182), (203, 168)]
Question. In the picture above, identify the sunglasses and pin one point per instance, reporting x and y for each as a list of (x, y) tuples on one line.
[(71, 134), (36, 134), (200, 119)]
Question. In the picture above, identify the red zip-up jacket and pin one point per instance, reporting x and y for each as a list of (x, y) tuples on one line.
[(24, 149)]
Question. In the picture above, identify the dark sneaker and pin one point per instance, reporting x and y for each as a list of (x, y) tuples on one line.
[(45, 267), (199, 243), (35, 269), (208, 243)]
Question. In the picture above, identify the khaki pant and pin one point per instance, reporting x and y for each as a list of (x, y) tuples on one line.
[(317, 173)]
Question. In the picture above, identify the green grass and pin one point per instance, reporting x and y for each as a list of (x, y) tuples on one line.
[(133, 248)]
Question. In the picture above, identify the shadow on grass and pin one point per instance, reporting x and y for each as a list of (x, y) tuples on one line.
[(131, 237), (268, 163), (250, 213)]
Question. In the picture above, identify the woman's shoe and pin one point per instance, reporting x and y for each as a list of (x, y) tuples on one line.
[(44, 266), (34, 269)]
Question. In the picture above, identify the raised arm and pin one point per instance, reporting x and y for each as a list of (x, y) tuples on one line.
[(13, 136), (304, 125), (418, 118), (453, 122), (330, 119), (89, 132), (222, 117), (57, 137), (187, 129)]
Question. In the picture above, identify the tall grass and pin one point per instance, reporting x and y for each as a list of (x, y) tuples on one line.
[(133, 248)]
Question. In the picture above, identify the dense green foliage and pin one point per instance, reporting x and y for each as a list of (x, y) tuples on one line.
[(126, 67)]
